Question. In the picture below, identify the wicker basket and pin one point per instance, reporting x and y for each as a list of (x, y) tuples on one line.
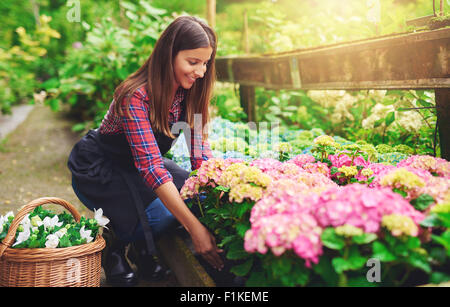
[(75, 266)]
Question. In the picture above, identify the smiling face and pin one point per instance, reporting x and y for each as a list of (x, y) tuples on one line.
[(189, 65)]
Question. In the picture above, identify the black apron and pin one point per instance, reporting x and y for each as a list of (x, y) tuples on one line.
[(103, 168)]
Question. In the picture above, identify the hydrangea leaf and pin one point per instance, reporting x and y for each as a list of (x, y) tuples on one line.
[(364, 238), (331, 240), (243, 268), (381, 252), (422, 202)]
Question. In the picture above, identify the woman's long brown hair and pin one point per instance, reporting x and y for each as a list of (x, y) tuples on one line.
[(158, 77)]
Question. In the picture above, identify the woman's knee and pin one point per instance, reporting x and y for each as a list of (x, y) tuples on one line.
[(160, 218), (87, 203)]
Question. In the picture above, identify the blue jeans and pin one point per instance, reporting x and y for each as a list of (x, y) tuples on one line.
[(160, 219)]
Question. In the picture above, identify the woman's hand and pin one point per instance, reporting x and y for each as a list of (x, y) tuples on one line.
[(204, 242), (205, 245)]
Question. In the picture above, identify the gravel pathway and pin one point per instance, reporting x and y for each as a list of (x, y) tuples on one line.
[(33, 161)]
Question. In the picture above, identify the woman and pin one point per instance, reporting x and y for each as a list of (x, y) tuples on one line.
[(120, 166)]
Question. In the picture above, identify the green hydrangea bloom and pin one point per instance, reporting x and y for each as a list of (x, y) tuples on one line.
[(348, 230), (361, 142), (349, 171), (324, 140), (400, 225), (302, 144), (351, 147), (305, 135), (383, 148), (404, 149), (284, 147), (371, 152)]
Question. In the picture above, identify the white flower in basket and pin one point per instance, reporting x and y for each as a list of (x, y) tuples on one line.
[(26, 222), (51, 222), (52, 241), (23, 236), (61, 232), (86, 234), (101, 220), (4, 219)]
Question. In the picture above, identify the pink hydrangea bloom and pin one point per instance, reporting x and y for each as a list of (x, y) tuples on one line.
[(343, 159), (266, 165), (437, 187), (308, 247), (208, 174), (212, 169), (301, 160), (407, 183), (340, 160), (282, 196), (378, 168), (276, 169), (317, 168), (315, 180), (281, 232), (361, 206), (360, 161), (431, 164), (190, 188), (283, 219)]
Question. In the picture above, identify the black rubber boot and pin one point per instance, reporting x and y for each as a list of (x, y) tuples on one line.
[(148, 266), (117, 269)]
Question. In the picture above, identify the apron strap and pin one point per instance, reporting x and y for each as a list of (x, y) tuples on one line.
[(137, 199), (141, 213)]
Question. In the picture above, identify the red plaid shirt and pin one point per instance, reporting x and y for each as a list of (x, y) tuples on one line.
[(139, 133)]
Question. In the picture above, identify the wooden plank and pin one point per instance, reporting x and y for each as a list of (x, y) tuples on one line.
[(367, 85), (420, 22), (180, 259), (408, 61)]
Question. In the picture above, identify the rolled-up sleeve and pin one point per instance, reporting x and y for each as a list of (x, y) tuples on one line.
[(144, 148)]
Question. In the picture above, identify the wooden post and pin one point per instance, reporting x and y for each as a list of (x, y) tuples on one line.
[(211, 13), (443, 116), (248, 101)]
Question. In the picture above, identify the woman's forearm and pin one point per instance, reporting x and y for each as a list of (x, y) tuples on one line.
[(171, 198), (204, 242)]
